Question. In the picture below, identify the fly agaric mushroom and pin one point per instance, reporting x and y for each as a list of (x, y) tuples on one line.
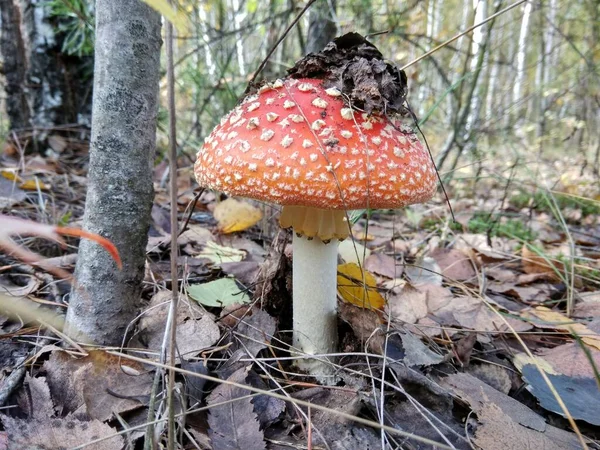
[(297, 143)]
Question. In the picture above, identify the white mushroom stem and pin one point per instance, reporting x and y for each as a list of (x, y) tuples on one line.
[(315, 303)]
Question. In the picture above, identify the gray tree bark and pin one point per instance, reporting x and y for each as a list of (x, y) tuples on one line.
[(44, 87), (119, 199), (322, 27)]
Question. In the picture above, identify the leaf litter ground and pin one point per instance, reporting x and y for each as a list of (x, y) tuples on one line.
[(431, 346)]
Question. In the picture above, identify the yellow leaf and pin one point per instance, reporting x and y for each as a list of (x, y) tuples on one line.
[(33, 185), (556, 320), (356, 290), (177, 18), (234, 215), (10, 175)]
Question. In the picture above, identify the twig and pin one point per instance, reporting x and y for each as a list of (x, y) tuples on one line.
[(173, 195), (11, 384), (462, 33)]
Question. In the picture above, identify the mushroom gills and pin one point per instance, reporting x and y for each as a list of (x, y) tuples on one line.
[(326, 224)]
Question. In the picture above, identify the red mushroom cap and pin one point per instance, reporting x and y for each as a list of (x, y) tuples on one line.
[(296, 143)]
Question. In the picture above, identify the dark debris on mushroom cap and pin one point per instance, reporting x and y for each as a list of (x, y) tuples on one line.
[(358, 70)]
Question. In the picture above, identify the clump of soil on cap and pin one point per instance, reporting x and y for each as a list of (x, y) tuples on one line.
[(357, 68)]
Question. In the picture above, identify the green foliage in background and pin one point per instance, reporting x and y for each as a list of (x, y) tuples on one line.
[(75, 21)]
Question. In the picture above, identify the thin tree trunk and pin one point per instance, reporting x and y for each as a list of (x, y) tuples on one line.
[(13, 52), (105, 299), (521, 54), (322, 26)]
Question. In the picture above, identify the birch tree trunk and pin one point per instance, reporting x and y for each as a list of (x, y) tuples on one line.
[(119, 198), (44, 86), (521, 54)]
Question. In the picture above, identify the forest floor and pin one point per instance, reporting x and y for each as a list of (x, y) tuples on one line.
[(490, 325)]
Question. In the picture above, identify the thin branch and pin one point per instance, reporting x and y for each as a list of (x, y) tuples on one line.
[(468, 30), (174, 234)]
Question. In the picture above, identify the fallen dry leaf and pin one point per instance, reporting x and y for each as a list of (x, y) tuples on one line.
[(543, 317), (505, 422), (567, 359), (234, 424), (384, 265), (426, 271), (580, 395), (254, 332), (534, 263), (236, 215), (67, 432), (455, 265), (358, 287), (499, 431), (408, 306), (86, 384), (219, 254), (196, 329), (33, 185)]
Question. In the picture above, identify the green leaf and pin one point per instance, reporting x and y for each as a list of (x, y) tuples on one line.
[(219, 293)]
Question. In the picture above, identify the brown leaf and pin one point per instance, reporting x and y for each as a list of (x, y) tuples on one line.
[(571, 360), (193, 335), (365, 323), (384, 265), (254, 332), (455, 265), (408, 306), (234, 425), (95, 384), (35, 398), (58, 433), (499, 431), (534, 263), (499, 250)]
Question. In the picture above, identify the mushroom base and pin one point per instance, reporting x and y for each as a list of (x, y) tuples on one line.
[(311, 222), (315, 306)]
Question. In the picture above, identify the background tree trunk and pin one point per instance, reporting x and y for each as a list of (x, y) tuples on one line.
[(120, 192), (322, 27), (45, 86)]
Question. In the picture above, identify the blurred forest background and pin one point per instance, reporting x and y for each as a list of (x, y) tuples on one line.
[(521, 89)]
